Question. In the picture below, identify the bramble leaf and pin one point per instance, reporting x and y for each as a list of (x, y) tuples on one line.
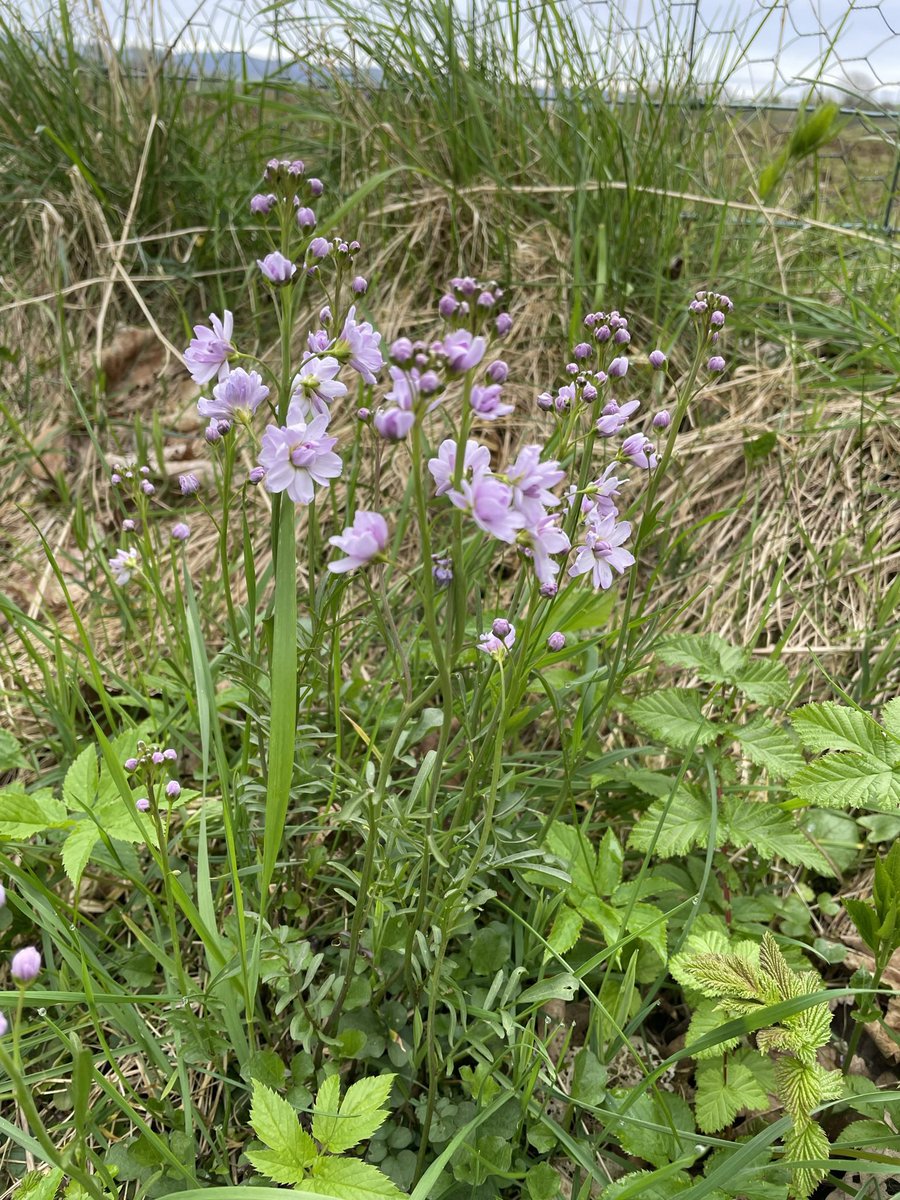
[(338, 1126), (10, 752), (686, 825), (848, 781), (565, 931), (274, 1122), (673, 716), (807, 1143), (350, 1179), (830, 726), (724, 1090), (769, 747), (23, 814), (765, 681), (771, 832)]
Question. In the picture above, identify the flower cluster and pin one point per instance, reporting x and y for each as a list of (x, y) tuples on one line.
[(150, 767), (710, 310)]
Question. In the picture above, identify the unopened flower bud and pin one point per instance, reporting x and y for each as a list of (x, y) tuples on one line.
[(556, 642), (157, 758), (401, 350), (618, 368), (545, 402), (503, 324), (306, 218), (716, 363), (662, 420), (173, 789), (603, 333), (188, 484), (316, 186), (142, 804), (25, 965), (363, 414), (717, 318), (549, 590), (485, 300), (181, 532), (447, 305), (257, 475), (131, 764), (147, 487), (170, 755), (583, 350), (657, 359), (128, 526), (498, 372), (359, 286), (501, 627), (319, 247)]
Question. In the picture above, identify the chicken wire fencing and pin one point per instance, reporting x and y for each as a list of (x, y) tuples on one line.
[(769, 65)]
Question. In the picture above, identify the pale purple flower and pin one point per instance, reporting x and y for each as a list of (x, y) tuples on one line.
[(261, 203), (277, 268), (173, 789), (603, 492), (256, 475), (211, 432), (314, 388), (545, 402), (463, 350), (123, 564), (614, 416), (297, 457), (170, 755), (602, 552), (362, 541), (142, 804), (210, 349), (128, 526), (602, 333), (316, 186), (657, 359), (476, 459), (306, 218), (188, 484), (318, 340), (147, 487), (542, 540), (556, 642), (621, 337), (662, 419), (25, 965), (531, 481), (501, 627), (488, 402), (489, 503), (157, 758), (495, 644), (565, 397), (359, 285), (237, 397), (393, 424), (503, 324), (181, 532), (717, 318), (362, 347), (640, 450), (442, 571), (716, 363), (447, 305), (618, 368), (131, 764), (583, 350), (320, 247), (401, 351), (498, 372)]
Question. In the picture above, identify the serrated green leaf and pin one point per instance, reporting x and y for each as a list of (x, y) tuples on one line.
[(658, 1146), (686, 825), (23, 814), (588, 1077), (574, 850), (82, 781), (807, 1142), (673, 716), (830, 726), (890, 715), (706, 1019), (848, 781), (608, 874), (10, 752), (270, 1164), (40, 1185), (77, 849), (706, 654), (340, 1126), (565, 931), (765, 681), (648, 923), (771, 832), (274, 1122), (769, 747), (351, 1179), (724, 1090)]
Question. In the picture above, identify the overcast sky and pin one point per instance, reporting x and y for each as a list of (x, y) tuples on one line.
[(791, 40)]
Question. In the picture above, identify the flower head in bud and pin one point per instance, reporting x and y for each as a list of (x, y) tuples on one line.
[(316, 186), (142, 804), (359, 286), (277, 268), (556, 642), (618, 368), (583, 350), (498, 372), (170, 755), (257, 475), (503, 324), (131, 764), (501, 627), (25, 965), (173, 789), (657, 359), (716, 363), (263, 204), (147, 487), (662, 420), (188, 484), (181, 532), (447, 305), (306, 218), (128, 526)]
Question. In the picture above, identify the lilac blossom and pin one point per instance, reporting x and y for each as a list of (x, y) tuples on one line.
[(542, 540), (359, 285), (314, 388), (296, 457), (256, 475), (503, 324), (495, 645), (237, 397), (716, 363), (662, 419), (25, 965), (657, 359), (501, 628), (603, 492), (123, 564), (603, 552), (498, 372), (264, 204), (142, 804), (476, 459), (129, 526), (209, 350), (614, 416), (531, 481), (277, 268), (173, 789), (306, 218), (618, 368), (316, 186), (362, 541), (488, 403), (360, 344), (556, 642), (188, 484), (320, 247), (489, 503), (463, 350), (640, 450), (318, 340), (181, 532), (393, 424)]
